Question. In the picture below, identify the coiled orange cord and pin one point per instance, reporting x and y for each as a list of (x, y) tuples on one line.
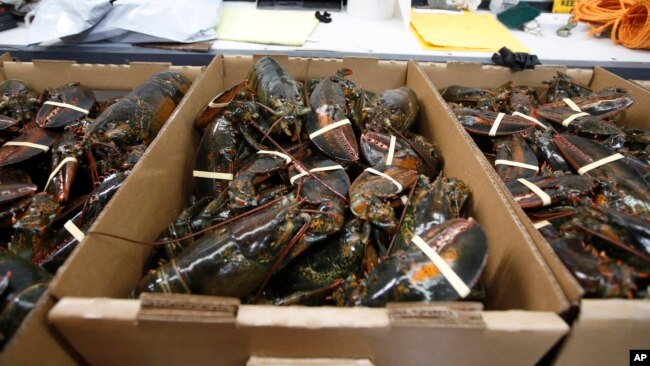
[(632, 30), (627, 20)]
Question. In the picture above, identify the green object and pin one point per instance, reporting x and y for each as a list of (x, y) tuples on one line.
[(518, 15)]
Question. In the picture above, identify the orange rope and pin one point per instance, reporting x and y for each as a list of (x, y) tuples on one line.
[(632, 30), (627, 19)]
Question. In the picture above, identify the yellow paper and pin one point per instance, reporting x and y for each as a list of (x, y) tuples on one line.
[(563, 6), (463, 32), (281, 27)]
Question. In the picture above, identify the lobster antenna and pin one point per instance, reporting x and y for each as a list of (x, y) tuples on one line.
[(401, 219), (215, 226), (327, 186), (281, 257)]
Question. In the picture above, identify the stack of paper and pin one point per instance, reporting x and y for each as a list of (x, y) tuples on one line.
[(283, 27), (464, 31)]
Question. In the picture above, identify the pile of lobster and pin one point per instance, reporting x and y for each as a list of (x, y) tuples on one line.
[(318, 193), (63, 156), (581, 177)]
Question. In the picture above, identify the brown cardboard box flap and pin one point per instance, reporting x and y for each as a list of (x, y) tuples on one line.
[(508, 337), (606, 331), (37, 341), (41, 74)]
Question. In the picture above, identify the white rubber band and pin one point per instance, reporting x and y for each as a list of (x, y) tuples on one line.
[(571, 104), (541, 224), (517, 164), (567, 121), (58, 167), (495, 125), (396, 183), (212, 104), (450, 275), (74, 231), (45, 148), (330, 127), (546, 199), (532, 119), (391, 150), (320, 169), (212, 175), (66, 105), (276, 153), (600, 162)]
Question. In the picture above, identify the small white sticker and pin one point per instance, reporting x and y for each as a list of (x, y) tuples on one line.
[(212, 175), (74, 231)]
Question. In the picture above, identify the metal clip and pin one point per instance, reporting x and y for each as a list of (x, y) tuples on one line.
[(565, 30)]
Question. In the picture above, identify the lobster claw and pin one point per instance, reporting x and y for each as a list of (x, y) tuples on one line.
[(328, 126), (559, 189), (586, 124), (7, 122), (33, 141), (514, 158), (410, 275), (481, 122), (417, 153), (66, 104), (217, 105), (256, 242), (588, 157)]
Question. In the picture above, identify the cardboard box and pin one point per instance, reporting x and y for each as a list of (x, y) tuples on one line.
[(605, 330), (36, 341), (517, 326)]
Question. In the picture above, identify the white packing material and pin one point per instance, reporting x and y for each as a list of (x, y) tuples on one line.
[(165, 20), (54, 19), (127, 21)]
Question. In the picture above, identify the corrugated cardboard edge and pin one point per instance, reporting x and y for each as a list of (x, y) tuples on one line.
[(297, 332), (95, 76), (37, 342), (606, 331)]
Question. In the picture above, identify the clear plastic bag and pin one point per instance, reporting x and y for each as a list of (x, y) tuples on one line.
[(54, 19), (128, 21)]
